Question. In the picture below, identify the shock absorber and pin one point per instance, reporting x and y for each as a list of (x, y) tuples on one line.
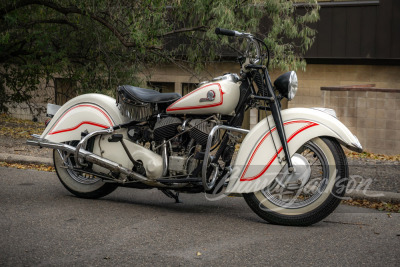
[(258, 79)]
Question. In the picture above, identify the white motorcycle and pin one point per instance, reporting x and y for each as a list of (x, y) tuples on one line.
[(290, 168)]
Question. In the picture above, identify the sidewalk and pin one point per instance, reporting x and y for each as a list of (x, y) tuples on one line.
[(371, 195)]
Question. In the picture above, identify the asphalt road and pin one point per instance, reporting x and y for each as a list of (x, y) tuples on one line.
[(42, 224)]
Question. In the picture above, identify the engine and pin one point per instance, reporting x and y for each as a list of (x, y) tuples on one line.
[(184, 140), (168, 127), (200, 129)]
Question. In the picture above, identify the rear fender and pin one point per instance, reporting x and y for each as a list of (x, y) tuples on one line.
[(257, 163), (89, 112)]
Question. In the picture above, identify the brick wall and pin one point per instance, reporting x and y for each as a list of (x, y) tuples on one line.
[(372, 114), (321, 75), (361, 110)]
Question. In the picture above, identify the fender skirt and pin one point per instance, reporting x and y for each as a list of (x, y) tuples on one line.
[(257, 162), (89, 112)]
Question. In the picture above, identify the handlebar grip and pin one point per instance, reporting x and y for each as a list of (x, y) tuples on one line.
[(226, 32)]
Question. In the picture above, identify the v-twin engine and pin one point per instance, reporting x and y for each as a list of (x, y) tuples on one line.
[(170, 126), (184, 139)]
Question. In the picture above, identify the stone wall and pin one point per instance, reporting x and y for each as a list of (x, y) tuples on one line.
[(372, 114), (36, 110)]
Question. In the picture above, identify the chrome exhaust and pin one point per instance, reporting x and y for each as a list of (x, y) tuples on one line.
[(90, 157)]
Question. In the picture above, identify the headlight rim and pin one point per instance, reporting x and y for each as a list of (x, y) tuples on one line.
[(293, 85)]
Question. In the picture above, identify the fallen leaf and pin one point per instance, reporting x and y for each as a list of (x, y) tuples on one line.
[(28, 166), (381, 206)]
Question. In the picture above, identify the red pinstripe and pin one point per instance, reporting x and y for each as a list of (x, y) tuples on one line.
[(171, 108), (242, 178), (79, 125), (82, 123)]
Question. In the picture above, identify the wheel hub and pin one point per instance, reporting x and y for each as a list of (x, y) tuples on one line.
[(300, 175)]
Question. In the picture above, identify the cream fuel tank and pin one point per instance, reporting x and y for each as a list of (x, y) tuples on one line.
[(219, 96)]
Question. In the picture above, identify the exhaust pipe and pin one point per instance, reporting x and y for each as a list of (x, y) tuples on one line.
[(90, 157)]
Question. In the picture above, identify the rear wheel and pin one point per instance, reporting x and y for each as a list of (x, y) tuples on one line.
[(78, 183), (305, 198)]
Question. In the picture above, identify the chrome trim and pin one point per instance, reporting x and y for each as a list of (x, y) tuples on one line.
[(328, 111), (232, 77), (84, 140), (52, 109), (164, 158), (209, 185), (355, 148), (93, 158), (203, 83), (357, 145), (210, 97), (293, 85), (184, 124)]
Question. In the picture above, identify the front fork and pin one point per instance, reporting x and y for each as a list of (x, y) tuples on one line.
[(276, 115)]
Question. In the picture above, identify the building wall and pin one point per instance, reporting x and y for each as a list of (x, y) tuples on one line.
[(36, 110), (309, 95), (360, 111), (372, 114), (319, 75)]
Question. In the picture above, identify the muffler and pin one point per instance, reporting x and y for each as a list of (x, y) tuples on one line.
[(90, 157)]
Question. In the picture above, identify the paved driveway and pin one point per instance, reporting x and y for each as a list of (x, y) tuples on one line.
[(42, 224)]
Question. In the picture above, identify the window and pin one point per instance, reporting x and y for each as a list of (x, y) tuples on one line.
[(188, 87), (162, 87), (65, 89)]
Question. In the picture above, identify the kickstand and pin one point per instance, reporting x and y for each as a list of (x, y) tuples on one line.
[(170, 194)]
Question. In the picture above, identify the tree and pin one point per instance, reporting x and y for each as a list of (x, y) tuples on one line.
[(99, 44)]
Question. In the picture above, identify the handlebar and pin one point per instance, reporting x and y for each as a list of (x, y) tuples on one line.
[(226, 32), (253, 43)]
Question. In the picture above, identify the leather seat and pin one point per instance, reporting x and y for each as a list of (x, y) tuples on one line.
[(138, 94)]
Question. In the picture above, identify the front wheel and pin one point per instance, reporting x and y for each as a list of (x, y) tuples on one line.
[(80, 184), (305, 198)]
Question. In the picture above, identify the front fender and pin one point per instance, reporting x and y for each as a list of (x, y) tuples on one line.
[(89, 112), (257, 163)]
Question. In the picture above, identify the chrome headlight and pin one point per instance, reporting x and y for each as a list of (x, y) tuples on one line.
[(287, 84)]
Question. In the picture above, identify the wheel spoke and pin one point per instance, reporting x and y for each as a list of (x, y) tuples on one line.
[(308, 193)]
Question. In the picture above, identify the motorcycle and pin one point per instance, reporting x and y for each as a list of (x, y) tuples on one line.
[(290, 168)]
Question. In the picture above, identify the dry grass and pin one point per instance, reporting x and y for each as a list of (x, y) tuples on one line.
[(18, 128), (40, 167), (369, 155)]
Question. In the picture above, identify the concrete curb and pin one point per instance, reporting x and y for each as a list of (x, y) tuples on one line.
[(22, 159), (377, 196)]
